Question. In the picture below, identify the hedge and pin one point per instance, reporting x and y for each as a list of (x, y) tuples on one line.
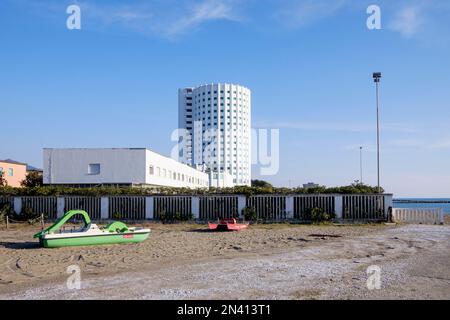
[(101, 191)]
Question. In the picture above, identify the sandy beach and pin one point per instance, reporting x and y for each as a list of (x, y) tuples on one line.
[(184, 261)]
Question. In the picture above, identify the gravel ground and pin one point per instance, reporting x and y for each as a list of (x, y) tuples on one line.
[(264, 262)]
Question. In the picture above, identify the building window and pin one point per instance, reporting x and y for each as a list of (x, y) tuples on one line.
[(1, 171), (152, 172), (94, 168), (10, 172), (158, 171)]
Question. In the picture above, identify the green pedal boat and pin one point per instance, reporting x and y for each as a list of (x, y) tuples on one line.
[(89, 234)]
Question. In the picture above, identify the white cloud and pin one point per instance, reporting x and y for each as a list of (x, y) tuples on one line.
[(205, 11), (304, 12), (166, 20), (408, 21)]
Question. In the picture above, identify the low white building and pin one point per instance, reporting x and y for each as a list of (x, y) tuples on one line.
[(86, 167)]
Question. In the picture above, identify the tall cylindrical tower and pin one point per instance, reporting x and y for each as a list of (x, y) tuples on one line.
[(217, 122)]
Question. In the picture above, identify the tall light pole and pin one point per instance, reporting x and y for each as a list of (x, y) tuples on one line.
[(360, 164), (377, 79)]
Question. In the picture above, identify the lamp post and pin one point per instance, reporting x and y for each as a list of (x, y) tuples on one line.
[(377, 79), (360, 165)]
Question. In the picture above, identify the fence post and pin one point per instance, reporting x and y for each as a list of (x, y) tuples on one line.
[(195, 207), (42, 222), (241, 204), (388, 203), (289, 207), (149, 208), (395, 215), (60, 204), (338, 207), (104, 208), (17, 205), (441, 216)]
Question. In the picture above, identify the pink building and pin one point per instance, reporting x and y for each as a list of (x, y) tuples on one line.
[(13, 172)]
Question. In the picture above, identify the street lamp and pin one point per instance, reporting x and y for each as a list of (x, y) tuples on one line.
[(376, 79), (361, 164)]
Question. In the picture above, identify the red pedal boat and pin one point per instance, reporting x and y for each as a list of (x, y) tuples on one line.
[(227, 225)]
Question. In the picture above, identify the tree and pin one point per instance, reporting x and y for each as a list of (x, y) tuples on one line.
[(3, 181), (261, 184), (32, 179)]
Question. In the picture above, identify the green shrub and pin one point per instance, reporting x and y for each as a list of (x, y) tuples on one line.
[(174, 217), (355, 188), (29, 215), (6, 211), (318, 215), (249, 214), (117, 216)]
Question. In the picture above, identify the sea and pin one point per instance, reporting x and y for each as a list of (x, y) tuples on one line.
[(443, 203)]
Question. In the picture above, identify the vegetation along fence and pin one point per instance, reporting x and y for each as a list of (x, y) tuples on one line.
[(170, 208), (268, 207), (126, 208), (210, 207), (88, 204), (303, 204), (6, 201), (364, 207), (37, 205), (214, 207)]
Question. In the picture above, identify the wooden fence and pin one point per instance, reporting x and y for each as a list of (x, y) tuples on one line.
[(303, 204), (38, 205), (6, 201), (364, 207), (88, 204), (268, 207), (210, 207), (170, 207), (126, 208), (215, 207)]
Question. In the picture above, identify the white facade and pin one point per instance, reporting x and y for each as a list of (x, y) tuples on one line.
[(217, 123), (127, 167)]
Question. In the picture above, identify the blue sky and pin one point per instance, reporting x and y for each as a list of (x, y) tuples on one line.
[(308, 63)]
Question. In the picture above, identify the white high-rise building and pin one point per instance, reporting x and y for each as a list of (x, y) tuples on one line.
[(216, 119)]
